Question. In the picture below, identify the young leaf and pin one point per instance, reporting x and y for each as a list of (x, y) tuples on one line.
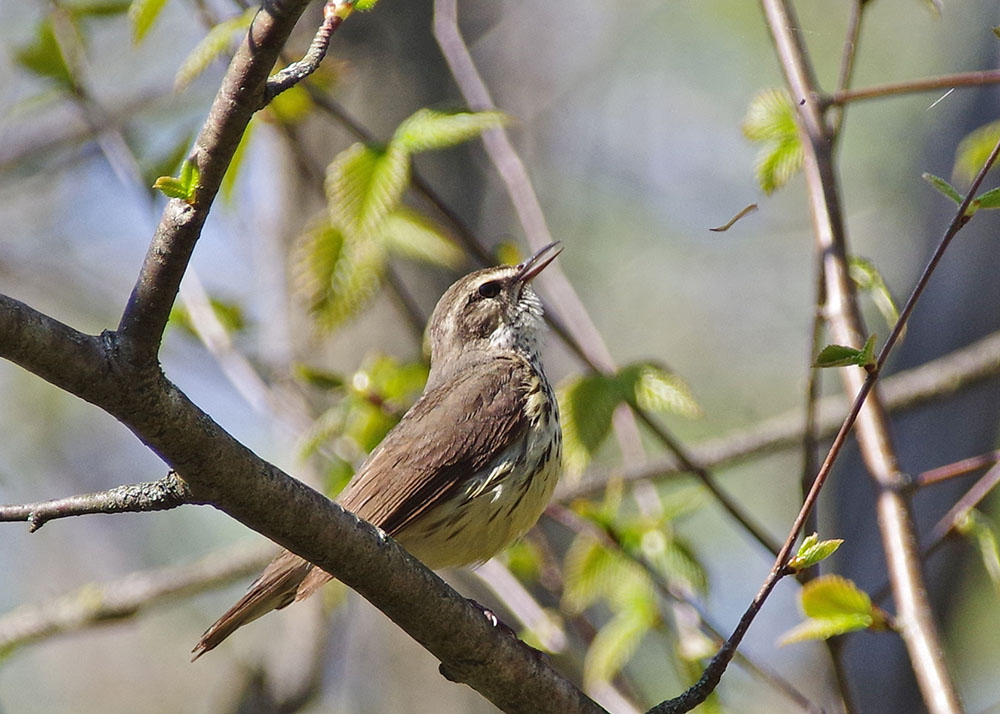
[(990, 199), (615, 643), (142, 14), (211, 47), (411, 235), (833, 595), (825, 628), (868, 279), (813, 551), (943, 186), (363, 184), (770, 121), (975, 525), (236, 163), (44, 56), (654, 388), (590, 571), (974, 149), (229, 314), (185, 186), (842, 356), (428, 129), (834, 606), (586, 405)]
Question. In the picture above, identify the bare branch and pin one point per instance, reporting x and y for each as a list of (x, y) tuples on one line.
[(948, 81), (169, 492), (969, 500), (958, 468), (97, 604)]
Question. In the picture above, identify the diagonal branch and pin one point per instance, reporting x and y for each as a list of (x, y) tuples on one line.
[(242, 93), (169, 492), (221, 471)]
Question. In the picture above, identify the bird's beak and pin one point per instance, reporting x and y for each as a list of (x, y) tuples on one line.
[(527, 270)]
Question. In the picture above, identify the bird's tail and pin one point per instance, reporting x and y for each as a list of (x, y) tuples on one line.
[(273, 589)]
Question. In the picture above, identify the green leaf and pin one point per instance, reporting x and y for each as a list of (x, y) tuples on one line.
[(990, 199), (868, 279), (825, 628), (44, 56), (319, 378), (364, 5), (228, 184), (672, 559), (291, 106), (833, 595), (590, 572), (413, 236), (974, 150), (812, 551), (168, 163), (211, 47), (656, 389), (976, 526), (142, 14), (614, 644), (229, 314), (834, 605), (587, 405), (185, 186), (430, 129), (363, 185), (943, 186), (771, 121), (842, 356), (97, 8)]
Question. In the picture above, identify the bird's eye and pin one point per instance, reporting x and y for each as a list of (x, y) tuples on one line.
[(490, 289)]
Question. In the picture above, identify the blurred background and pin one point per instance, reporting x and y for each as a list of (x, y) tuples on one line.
[(628, 118)]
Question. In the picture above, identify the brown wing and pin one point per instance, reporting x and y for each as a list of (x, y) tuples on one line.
[(452, 432)]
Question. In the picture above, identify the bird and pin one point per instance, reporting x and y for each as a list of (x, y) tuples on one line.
[(471, 465)]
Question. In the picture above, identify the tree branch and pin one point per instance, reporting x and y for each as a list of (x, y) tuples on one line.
[(242, 93), (898, 534), (932, 380), (96, 604), (948, 81), (219, 470), (169, 492)]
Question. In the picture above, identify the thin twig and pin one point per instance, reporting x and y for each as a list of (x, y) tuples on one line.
[(918, 629), (611, 540), (958, 468), (169, 492), (97, 604), (334, 13), (145, 315), (969, 500), (933, 380), (962, 79)]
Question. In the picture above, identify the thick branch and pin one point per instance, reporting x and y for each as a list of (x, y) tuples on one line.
[(220, 470), (242, 93), (169, 492)]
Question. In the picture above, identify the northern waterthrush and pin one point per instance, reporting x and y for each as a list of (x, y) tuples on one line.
[(473, 463)]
